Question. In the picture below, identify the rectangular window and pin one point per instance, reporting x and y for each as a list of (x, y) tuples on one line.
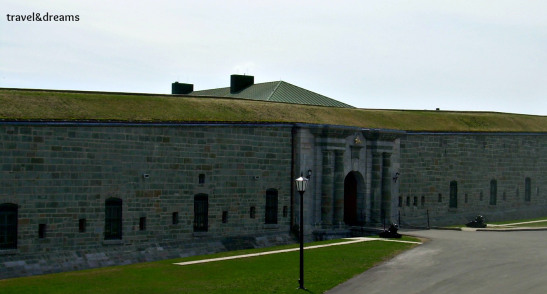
[(271, 206), (175, 218), (493, 192), (453, 194), (81, 225), (527, 189), (113, 219), (8, 226), (252, 212), (201, 213), (142, 223), (224, 217), (41, 231), (285, 211)]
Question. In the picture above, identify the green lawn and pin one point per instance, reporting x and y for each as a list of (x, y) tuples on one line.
[(276, 273)]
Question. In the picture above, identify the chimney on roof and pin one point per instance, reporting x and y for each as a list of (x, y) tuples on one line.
[(239, 83), (181, 88)]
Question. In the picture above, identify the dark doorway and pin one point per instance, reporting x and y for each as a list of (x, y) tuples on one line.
[(350, 200)]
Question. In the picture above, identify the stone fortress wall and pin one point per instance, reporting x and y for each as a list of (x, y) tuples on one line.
[(418, 179), (62, 177), (456, 176)]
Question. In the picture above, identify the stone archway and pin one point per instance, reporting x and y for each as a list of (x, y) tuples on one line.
[(353, 199)]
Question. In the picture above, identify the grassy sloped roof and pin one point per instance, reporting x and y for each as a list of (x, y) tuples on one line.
[(17, 104)]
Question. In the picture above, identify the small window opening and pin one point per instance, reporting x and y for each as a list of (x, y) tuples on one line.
[(440, 198), (142, 223), (493, 192), (453, 203), (175, 218), (201, 179), (224, 217), (252, 212), (527, 189), (285, 211), (41, 231), (400, 204), (271, 206), (81, 225), (415, 201)]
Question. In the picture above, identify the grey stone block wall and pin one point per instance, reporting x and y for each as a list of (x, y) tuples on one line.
[(59, 174), (429, 162)]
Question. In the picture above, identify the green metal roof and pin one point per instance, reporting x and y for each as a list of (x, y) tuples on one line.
[(278, 91)]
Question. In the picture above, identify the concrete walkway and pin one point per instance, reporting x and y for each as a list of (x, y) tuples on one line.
[(349, 241)]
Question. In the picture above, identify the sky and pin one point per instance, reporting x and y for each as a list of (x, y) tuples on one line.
[(453, 55)]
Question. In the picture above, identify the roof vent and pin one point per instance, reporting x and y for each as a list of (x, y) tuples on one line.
[(181, 88), (239, 83)]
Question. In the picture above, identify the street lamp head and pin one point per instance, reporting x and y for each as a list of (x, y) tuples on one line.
[(301, 184)]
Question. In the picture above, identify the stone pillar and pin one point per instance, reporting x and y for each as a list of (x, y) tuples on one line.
[(375, 188), (338, 210), (386, 188), (326, 188)]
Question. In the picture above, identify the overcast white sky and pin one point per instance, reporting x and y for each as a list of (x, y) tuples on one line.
[(454, 55)]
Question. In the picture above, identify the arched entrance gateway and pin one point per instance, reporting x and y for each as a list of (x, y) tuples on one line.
[(353, 199)]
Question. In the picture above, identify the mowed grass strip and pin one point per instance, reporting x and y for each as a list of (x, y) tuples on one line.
[(520, 221), (528, 223), (536, 222), (276, 273), (532, 225)]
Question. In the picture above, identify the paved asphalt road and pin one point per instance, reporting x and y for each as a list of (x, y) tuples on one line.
[(461, 262)]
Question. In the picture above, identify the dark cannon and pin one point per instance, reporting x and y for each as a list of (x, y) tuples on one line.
[(478, 222), (391, 232)]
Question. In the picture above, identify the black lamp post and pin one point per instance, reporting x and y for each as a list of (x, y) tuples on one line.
[(301, 184)]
